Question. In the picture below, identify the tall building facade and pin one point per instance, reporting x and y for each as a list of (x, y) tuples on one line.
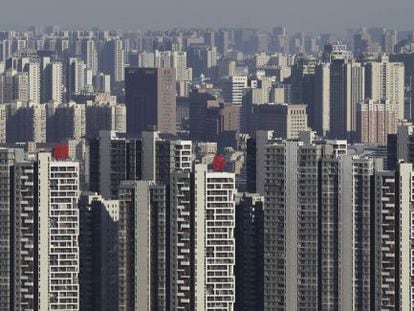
[(150, 100), (319, 209), (142, 243), (321, 111), (113, 60), (52, 82), (98, 242), (45, 248), (233, 89), (215, 246), (375, 121), (8, 157), (249, 252), (385, 80), (347, 89)]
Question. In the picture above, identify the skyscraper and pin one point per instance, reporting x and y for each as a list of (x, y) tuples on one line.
[(142, 243), (318, 209), (215, 244), (150, 100), (26, 122), (375, 121), (347, 89), (90, 55), (113, 60), (33, 70), (113, 158), (52, 82), (182, 237), (45, 248), (233, 89), (75, 77), (8, 157), (321, 113), (249, 252), (385, 80), (98, 242)]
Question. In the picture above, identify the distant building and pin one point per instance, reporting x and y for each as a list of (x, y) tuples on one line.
[(26, 122), (150, 99), (287, 121), (375, 121), (233, 89), (385, 80)]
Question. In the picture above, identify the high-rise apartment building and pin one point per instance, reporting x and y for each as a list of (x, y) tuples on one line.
[(104, 117), (179, 62), (321, 112), (65, 121), (112, 159), (347, 89), (142, 243), (45, 249), (233, 89), (8, 157), (215, 243), (3, 124), (90, 55), (375, 121), (33, 70), (287, 121), (75, 77), (401, 145), (98, 242), (150, 100), (318, 210), (385, 80), (249, 252), (113, 60), (26, 122), (21, 87), (181, 249), (52, 82)]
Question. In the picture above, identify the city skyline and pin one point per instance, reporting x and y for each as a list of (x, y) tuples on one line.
[(130, 15), (201, 169)]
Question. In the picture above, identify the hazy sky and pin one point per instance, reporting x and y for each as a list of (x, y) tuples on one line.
[(306, 15)]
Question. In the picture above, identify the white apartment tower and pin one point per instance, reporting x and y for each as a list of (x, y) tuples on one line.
[(21, 87), (76, 77), (45, 235), (90, 55), (179, 62), (214, 239), (33, 70), (385, 80), (53, 82), (180, 248), (321, 110)]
